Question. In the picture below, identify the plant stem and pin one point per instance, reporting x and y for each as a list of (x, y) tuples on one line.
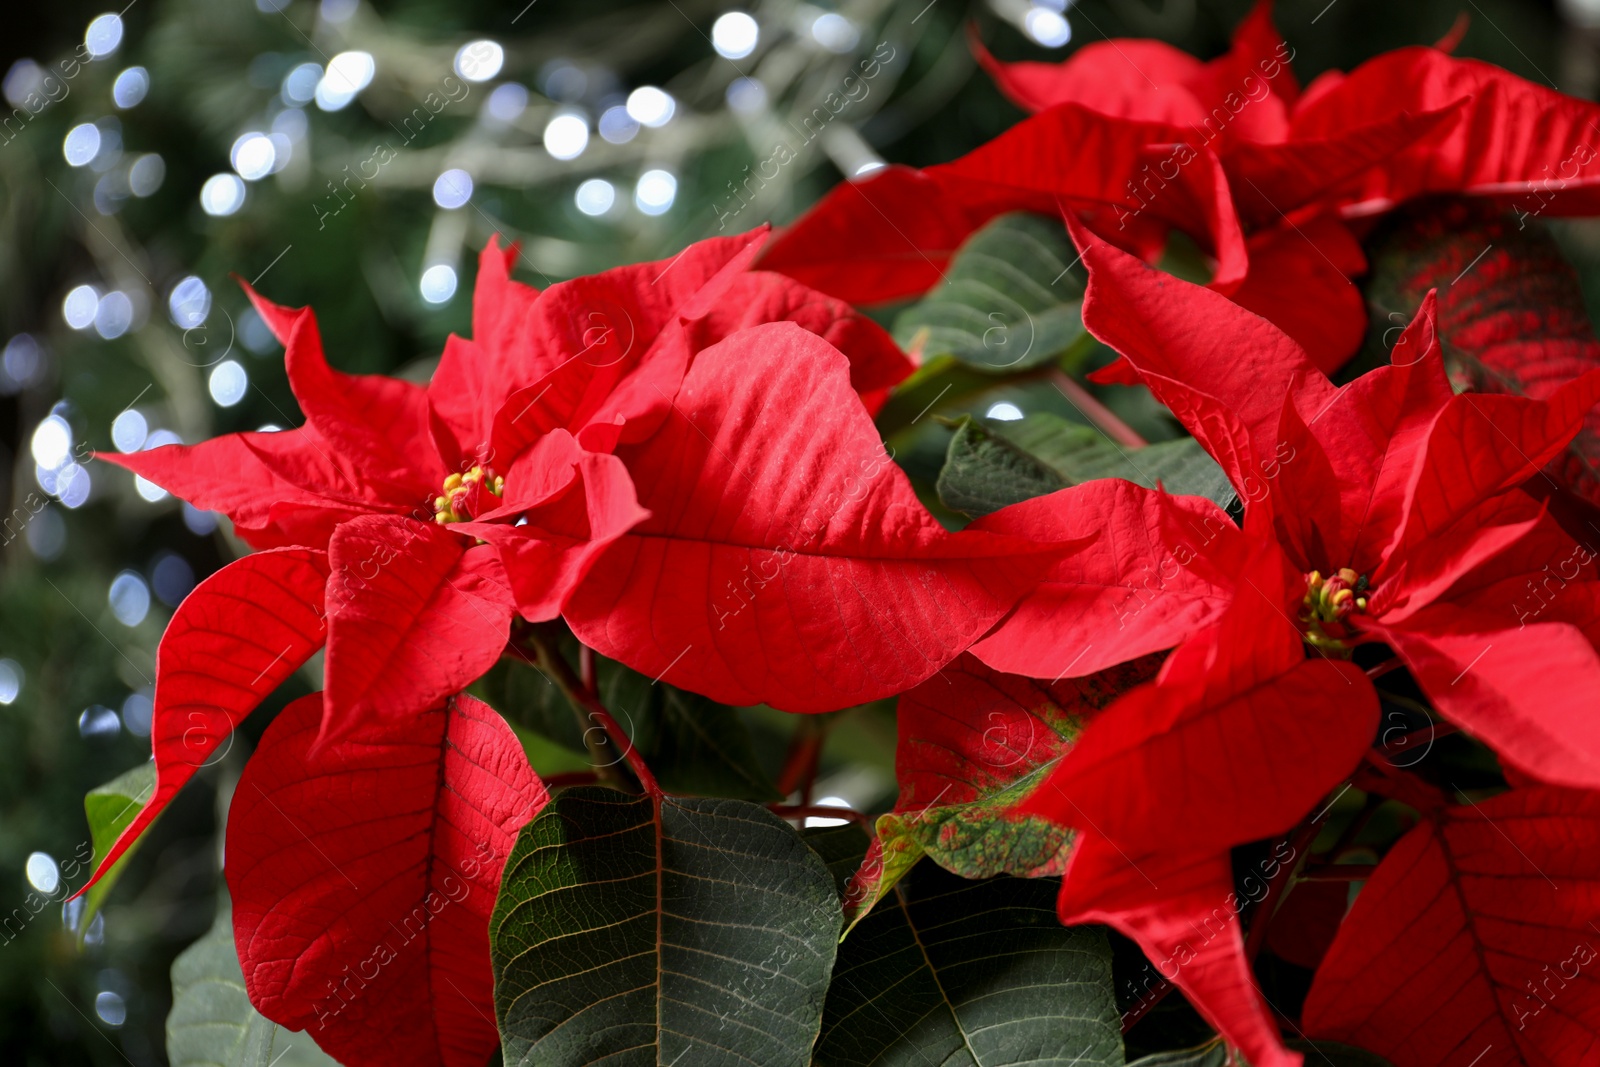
[(804, 757), (584, 698), (1096, 412), (1338, 872)]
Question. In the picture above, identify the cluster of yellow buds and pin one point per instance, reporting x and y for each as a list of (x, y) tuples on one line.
[(451, 506), (1328, 600), (1331, 599)]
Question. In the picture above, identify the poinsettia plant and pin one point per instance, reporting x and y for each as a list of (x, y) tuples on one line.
[(1212, 675)]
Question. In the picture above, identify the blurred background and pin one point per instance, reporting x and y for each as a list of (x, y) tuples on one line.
[(355, 157)]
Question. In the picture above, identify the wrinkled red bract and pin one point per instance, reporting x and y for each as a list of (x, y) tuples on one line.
[(1413, 488), (786, 559), (363, 873), (1474, 944)]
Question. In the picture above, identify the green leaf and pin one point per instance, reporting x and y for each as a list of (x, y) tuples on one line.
[(645, 931), (984, 472), (987, 468), (1214, 1054), (841, 848), (692, 744), (212, 1023), (1009, 300), (533, 702), (110, 808), (1323, 1053), (961, 974)]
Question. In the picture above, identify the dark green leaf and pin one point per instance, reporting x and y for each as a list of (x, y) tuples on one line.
[(1212, 1055), (988, 468), (693, 745), (212, 1023), (1008, 300), (110, 808), (970, 974), (638, 931), (841, 848), (984, 472)]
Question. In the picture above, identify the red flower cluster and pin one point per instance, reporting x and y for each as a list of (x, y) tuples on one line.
[(612, 451), (1273, 182), (679, 460)]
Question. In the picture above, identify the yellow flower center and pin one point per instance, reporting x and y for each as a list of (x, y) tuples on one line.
[(454, 504), (1327, 601)]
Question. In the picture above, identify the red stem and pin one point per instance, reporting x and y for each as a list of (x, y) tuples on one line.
[(1094, 411), (586, 699), (804, 757), (586, 668), (1299, 840)]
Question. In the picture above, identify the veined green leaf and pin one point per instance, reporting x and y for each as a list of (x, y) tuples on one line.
[(1010, 299), (645, 931), (970, 974), (989, 467)]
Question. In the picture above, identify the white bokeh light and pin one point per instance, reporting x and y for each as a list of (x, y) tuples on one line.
[(129, 598), (478, 61), (128, 431), (10, 680), (253, 155), (617, 126), (146, 174), (823, 820), (228, 382), (148, 490), (506, 103), (655, 191), (222, 194), (452, 189), (72, 485), (835, 32), (113, 314), (103, 35), (348, 73), (650, 106), (566, 136), (1004, 411), (438, 283), (79, 306), (111, 1008), (595, 196), (300, 84), (747, 96), (129, 88), (43, 874), (52, 442), (81, 144), (189, 303), (735, 35), (1047, 27)]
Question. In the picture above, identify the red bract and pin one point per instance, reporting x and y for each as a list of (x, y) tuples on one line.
[(1236, 739), (786, 559), (1473, 945), (1397, 499), (1278, 173), (426, 518), (363, 873)]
